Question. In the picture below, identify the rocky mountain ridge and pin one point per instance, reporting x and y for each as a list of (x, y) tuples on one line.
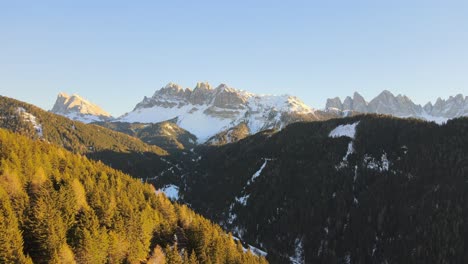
[(401, 106)]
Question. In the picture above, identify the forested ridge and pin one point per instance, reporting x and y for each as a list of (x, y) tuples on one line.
[(116, 149), (72, 135), (396, 193), (60, 207)]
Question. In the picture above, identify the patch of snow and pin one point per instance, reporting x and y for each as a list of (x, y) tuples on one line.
[(256, 251), (320, 249), (385, 162), (298, 257), (344, 131), (381, 165), (239, 231), (355, 173), (32, 119), (171, 191), (350, 151), (258, 172), (347, 259), (243, 200), (231, 215), (84, 118), (405, 149)]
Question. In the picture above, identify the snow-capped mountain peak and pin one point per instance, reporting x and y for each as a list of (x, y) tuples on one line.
[(206, 111), (77, 108)]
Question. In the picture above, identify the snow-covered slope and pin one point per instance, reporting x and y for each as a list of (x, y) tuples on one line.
[(402, 106), (77, 108), (205, 111)]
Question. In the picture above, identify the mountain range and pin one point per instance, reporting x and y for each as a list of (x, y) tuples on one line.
[(401, 106), (206, 111), (221, 115), (210, 114)]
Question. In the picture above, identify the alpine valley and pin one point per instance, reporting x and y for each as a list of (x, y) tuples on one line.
[(250, 179)]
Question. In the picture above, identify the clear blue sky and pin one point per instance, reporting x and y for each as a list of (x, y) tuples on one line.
[(116, 52)]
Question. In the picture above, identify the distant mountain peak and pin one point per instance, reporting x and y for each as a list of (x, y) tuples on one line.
[(77, 108), (386, 92)]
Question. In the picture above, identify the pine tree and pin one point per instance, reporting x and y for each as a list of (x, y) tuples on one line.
[(157, 257), (172, 255), (193, 258), (91, 243), (45, 226), (11, 241)]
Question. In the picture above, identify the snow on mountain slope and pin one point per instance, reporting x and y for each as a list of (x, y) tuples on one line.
[(344, 131), (205, 111), (348, 130), (171, 191), (32, 119), (77, 108)]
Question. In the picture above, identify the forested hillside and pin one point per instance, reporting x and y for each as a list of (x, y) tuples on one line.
[(164, 134), (59, 207), (118, 150), (365, 189)]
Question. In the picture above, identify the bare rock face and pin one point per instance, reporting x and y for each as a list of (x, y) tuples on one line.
[(229, 98), (202, 94), (77, 108), (347, 104), (359, 104), (172, 90), (334, 103)]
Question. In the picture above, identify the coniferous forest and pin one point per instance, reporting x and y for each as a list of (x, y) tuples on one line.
[(60, 207)]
